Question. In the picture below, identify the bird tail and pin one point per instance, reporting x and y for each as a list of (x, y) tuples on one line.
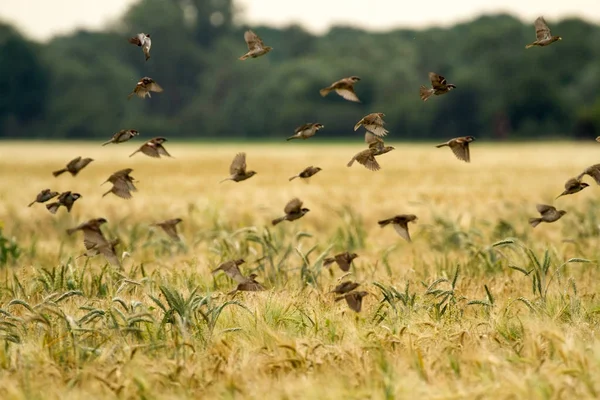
[(70, 231), (226, 179), (324, 92), (291, 179), (357, 125), (107, 192), (384, 222), (147, 57), (105, 143), (535, 221), (131, 155), (530, 45), (244, 57), (130, 95), (32, 203), (328, 261), (441, 145), (292, 137), (53, 207), (339, 298), (59, 172), (562, 194), (425, 93), (351, 162), (278, 220)]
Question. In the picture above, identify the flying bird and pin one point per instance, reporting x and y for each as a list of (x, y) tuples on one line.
[(293, 211), (345, 287), (153, 148), (142, 40), (354, 300), (231, 269), (306, 173), (373, 123), (94, 240), (306, 131), (439, 87), (366, 158), (573, 186), (237, 169), (74, 166), (548, 213), (256, 47), (108, 250), (122, 136), (400, 224), (542, 34), (343, 260), (593, 171), (122, 183), (377, 144), (66, 199), (460, 147), (144, 87), (344, 87), (170, 228), (249, 285), (44, 196)]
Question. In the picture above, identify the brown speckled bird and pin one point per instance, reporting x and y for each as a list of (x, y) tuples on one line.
[(122, 136), (366, 158), (94, 240), (293, 210), (593, 171), (344, 87), (460, 147), (231, 269), (345, 287), (74, 166), (373, 123), (249, 285), (542, 34), (44, 196), (573, 186), (122, 183), (354, 300), (108, 250), (66, 199), (343, 260), (237, 169), (256, 47), (376, 143), (548, 213), (306, 131), (144, 87), (400, 224), (170, 228), (153, 148), (306, 173), (439, 86), (142, 40)]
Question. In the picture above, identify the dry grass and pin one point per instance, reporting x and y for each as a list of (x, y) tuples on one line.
[(163, 327)]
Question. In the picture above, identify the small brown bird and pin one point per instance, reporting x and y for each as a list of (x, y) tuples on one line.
[(122, 136), (439, 87), (306, 173), (249, 285), (94, 240), (142, 40), (74, 166), (573, 186), (44, 196), (108, 250), (344, 87), (153, 148), (598, 139), (144, 87), (354, 300), (377, 143), (256, 47), (122, 183), (343, 260), (66, 199), (460, 147), (345, 287), (373, 123), (232, 270), (307, 130), (400, 224), (366, 158), (548, 213), (237, 169), (542, 34), (170, 228), (293, 210), (593, 171)]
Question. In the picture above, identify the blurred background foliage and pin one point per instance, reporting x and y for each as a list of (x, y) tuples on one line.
[(76, 86)]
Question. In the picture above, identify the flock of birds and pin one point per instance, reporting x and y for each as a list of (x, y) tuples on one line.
[(123, 184)]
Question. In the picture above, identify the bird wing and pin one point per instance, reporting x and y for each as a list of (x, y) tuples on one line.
[(402, 229), (542, 32), (135, 40), (544, 208), (437, 81), (150, 149), (375, 126), (293, 206), (232, 270), (460, 148), (121, 188), (572, 184), (594, 172), (252, 40), (238, 165), (250, 286), (162, 151), (170, 229), (302, 128), (154, 87), (342, 261), (367, 158), (73, 163), (108, 251), (354, 301), (348, 93), (93, 238)]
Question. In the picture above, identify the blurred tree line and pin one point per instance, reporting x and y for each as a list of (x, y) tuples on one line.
[(76, 86)]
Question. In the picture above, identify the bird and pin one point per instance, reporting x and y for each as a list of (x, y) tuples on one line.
[(460, 147), (400, 224), (256, 47), (153, 148), (306, 173), (237, 169), (122, 136), (377, 143), (66, 199), (122, 183), (439, 87), (44, 196), (248, 285), (373, 123), (542, 34), (366, 158), (306, 131), (231, 269), (142, 40), (74, 166), (573, 186), (170, 228), (94, 240), (548, 213), (345, 287), (354, 300), (293, 211), (598, 139), (344, 87), (343, 260), (593, 171), (144, 87), (108, 250)]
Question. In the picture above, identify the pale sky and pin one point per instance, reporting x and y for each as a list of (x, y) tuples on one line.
[(42, 19)]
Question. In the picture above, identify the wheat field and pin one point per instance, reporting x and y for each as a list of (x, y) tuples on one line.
[(478, 306)]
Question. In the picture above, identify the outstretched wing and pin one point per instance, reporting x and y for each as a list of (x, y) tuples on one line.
[(238, 165), (461, 150), (293, 206), (542, 32), (252, 40), (437, 81)]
